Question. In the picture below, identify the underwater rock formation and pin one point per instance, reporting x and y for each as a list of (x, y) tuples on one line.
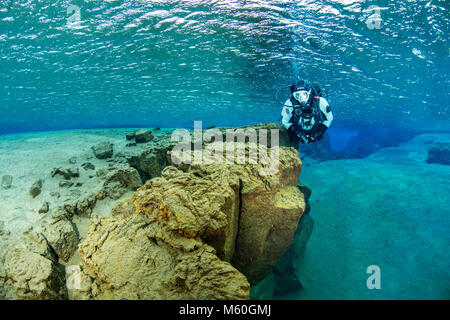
[(31, 269), (61, 234), (283, 280), (439, 154), (3, 232), (88, 166), (80, 204), (36, 188), (193, 206), (151, 162), (197, 231), (103, 150), (133, 259), (143, 135), (124, 208), (231, 217), (270, 208), (286, 280), (67, 173), (140, 136), (120, 179), (283, 141)]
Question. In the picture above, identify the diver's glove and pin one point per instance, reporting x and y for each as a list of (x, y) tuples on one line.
[(320, 131)]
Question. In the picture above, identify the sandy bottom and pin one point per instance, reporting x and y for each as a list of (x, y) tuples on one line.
[(392, 210)]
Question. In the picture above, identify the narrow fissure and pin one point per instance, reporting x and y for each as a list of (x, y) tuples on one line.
[(239, 218)]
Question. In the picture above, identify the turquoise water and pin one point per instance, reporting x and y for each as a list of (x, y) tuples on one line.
[(388, 210), (136, 63), (168, 63)]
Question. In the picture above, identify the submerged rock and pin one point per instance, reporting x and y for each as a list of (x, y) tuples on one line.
[(81, 205), (103, 150), (143, 135), (191, 221), (284, 140), (67, 173), (439, 154), (36, 188), (193, 206), (119, 180), (270, 208), (61, 234), (45, 207), (130, 136), (32, 271), (65, 184), (191, 232), (100, 172), (6, 181), (130, 259), (151, 162), (284, 278), (124, 208), (88, 166)]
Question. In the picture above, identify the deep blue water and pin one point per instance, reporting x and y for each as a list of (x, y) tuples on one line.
[(168, 63)]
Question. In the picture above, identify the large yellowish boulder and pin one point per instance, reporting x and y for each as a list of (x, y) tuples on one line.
[(194, 206), (127, 258), (270, 208), (33, 272)]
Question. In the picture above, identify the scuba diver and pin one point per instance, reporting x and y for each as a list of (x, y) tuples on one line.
[(306, 115)]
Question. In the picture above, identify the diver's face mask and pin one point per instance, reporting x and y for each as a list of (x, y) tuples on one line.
[(301, 96)]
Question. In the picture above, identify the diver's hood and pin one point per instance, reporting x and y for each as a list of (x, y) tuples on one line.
[(300, 86)]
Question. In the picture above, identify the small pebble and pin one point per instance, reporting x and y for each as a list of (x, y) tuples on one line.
[(64, 184), (45, 207), (88, 166), (36, 188)]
